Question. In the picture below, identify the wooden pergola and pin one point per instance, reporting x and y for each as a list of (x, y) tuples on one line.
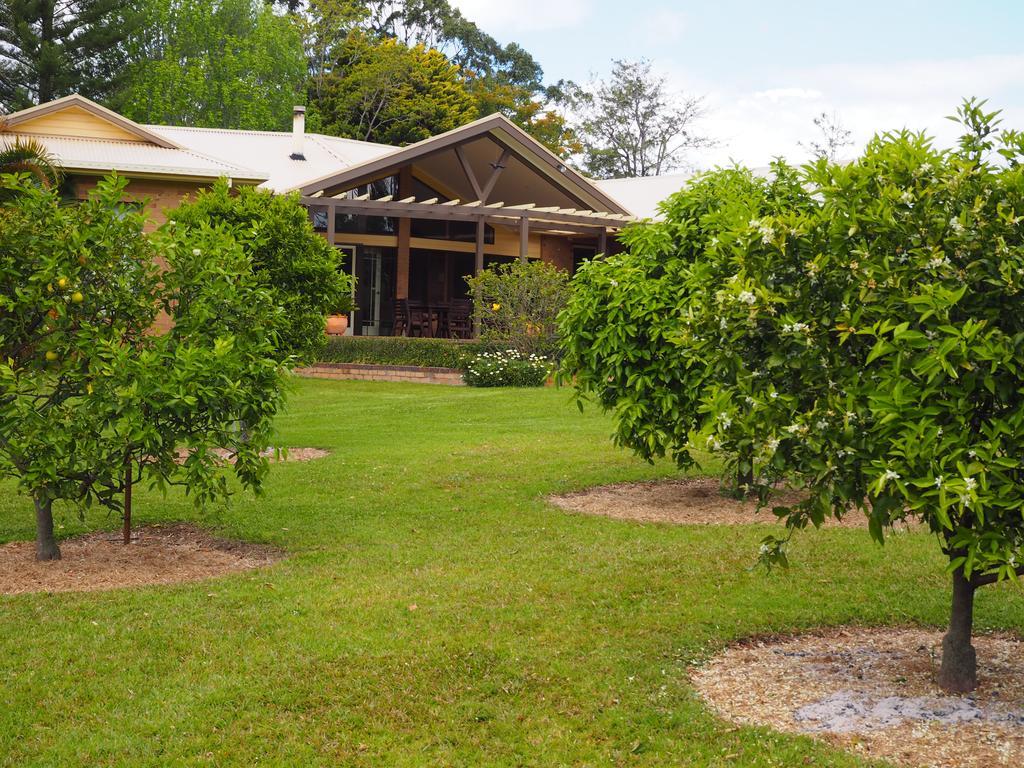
[(470, 170), (525, 216)]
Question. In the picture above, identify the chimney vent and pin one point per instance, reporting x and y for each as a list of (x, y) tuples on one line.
[(298, 133)]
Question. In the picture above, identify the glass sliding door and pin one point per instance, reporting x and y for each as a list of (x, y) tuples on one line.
[(375, 291)]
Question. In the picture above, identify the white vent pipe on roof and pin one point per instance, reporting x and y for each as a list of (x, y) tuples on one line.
[(298, 133)]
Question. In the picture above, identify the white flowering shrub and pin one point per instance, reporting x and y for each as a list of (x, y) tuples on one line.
[(858, 334), (507, 368)]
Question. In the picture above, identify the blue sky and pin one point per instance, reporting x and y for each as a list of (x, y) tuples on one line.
[(767, 68)]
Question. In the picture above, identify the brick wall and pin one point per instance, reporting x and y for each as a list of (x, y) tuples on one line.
[(157, 194), (395, 373)]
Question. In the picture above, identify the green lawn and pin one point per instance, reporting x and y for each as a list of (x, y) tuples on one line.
[(538, 638)]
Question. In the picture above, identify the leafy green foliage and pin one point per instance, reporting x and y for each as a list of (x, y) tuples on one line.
[(517, 305), (507, 368), (297, 266), (215, 64), (634, 320), (388, 92), (86, 389), (397, 350)]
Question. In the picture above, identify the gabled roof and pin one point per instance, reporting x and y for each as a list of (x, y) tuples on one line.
[(497, 127), (270, 151), (84, 136), (21, 122)]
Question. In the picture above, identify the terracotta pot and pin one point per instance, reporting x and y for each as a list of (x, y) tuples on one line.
[(337, 325)]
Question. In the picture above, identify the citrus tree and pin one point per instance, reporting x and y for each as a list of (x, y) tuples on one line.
[(86, 388), (300, 269), (644, 329), (889, 377)]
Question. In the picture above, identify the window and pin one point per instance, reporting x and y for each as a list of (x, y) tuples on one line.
[(374, 225)]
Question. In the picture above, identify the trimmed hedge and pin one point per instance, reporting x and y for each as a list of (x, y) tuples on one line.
[(399, 350)]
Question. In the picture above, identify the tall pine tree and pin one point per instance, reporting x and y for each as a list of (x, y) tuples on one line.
[(50, 48)]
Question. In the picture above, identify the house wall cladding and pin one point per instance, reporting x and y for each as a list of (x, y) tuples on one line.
[(394, 373)]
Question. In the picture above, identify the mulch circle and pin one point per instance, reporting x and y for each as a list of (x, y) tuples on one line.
[(274, 454), (158, 554), (688, 501), (873, 691)]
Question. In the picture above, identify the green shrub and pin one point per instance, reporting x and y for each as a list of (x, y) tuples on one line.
[(517, 306), (398, 350), (298, 266), (507, 368)]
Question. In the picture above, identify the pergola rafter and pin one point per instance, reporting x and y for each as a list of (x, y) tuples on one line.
[(474, 210)]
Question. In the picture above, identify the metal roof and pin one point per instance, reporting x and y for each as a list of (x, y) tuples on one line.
[(104, 155), (270, 152)]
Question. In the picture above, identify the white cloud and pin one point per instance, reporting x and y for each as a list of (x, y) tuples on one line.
[(663, 25), (503, 19), (755, 126), (777, 95)]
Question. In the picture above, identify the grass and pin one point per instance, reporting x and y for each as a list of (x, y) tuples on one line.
[(435, 610)]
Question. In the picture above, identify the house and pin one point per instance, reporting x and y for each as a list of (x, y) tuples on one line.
[(412, 221)]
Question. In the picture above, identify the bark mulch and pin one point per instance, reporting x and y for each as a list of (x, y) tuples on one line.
[(159, 554), (273, 454), (873, 692), (691, 501)]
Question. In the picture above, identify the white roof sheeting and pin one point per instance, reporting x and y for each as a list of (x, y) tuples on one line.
[(137, 157), (642, 194), (270, 152)]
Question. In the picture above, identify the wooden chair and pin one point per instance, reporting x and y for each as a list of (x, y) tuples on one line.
[(401, 325), (419, 319), (460, 319)]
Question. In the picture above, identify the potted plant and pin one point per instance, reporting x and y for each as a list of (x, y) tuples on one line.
[(337, 325)]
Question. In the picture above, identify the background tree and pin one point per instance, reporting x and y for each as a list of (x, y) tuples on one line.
[(327, 25), (50, 48), (390, 93), (631, 124), (299, 269), (886, 382), (213, 63), (834, 137), (86, 389), (505, 79)]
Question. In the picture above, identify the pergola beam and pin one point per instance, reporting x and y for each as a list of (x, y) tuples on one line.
[(468, 212)]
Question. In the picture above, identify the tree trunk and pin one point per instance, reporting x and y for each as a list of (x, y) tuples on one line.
[(46, 544), (744, 474), (126, 518), (958, 672)]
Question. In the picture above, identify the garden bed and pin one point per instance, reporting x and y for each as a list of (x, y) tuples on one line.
[(158, 554), (873, 691), (689, 501)]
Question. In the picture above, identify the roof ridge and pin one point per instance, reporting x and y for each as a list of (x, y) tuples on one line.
[(253, 132), (205, 129)]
